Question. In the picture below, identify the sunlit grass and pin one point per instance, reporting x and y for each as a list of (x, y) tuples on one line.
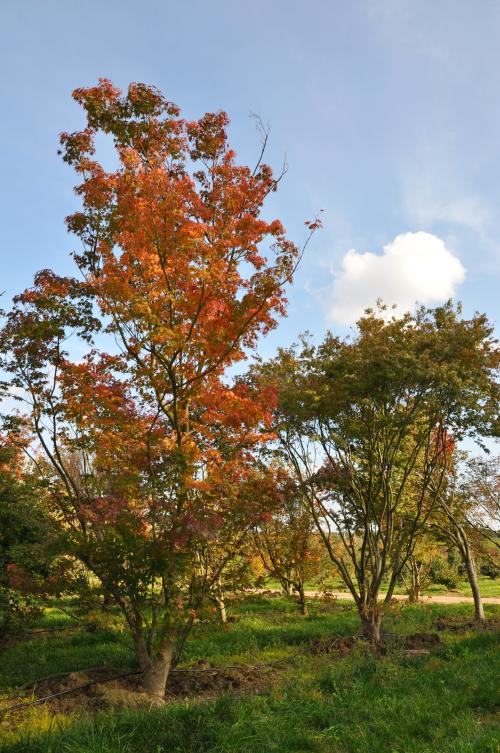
[(445, 702), (488, 587)]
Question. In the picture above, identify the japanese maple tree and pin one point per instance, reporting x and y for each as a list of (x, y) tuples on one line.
[(368, 424), (178, 276)]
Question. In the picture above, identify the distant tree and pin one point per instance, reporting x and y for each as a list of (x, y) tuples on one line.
[(416, 574), (445, 568), (286, 540), (223, 556), (365, 424), (464, 516), (482, 486)]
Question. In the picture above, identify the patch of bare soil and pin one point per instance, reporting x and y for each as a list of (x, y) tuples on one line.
[(422, 640), (417, 644), (91, 689), (206, 680), (457, 624), (337, 646), (490, 717)]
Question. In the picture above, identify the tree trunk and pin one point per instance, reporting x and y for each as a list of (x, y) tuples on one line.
[(468, 560), (218, 598), (221, 606), (371, 620), (461, 541), (155, 669), (414, 591), (302, 601), (471, 574)]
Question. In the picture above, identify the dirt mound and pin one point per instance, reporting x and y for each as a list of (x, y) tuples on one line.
[(422, 640), (89, 690), (204, 679), (457, 624), (415, 644), (337, 646), (390, 643), (102, 688)]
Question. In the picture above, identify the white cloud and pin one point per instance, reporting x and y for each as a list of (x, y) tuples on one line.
[(413, 268)]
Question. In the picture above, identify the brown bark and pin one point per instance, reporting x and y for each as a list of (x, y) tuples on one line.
[(462, 540), (155, 669), (302, 602), (221, 606), (218, 599), (472, 576), (414, 594), (371, 620), (415, 588), (458, 535)]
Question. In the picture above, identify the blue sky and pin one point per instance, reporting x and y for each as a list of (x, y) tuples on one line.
[(388, 113)]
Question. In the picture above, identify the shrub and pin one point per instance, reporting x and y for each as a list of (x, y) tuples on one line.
[(445, 573)]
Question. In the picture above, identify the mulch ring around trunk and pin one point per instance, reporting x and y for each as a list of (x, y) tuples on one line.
[(459, 624)]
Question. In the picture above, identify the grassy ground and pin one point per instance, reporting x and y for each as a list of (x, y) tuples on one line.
[(445, 702), (488, 587)]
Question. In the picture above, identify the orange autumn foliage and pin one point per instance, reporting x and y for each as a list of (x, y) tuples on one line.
[(178, 277)]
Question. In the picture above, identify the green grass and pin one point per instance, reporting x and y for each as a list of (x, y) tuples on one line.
[(440, 703), (265, 630), (488, 587), (39, 657)]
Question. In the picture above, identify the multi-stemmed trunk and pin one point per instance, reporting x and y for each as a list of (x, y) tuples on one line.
[(414, 593), (155, 667), (414, 588), (291, 586), (371, 619), (297, 587)]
